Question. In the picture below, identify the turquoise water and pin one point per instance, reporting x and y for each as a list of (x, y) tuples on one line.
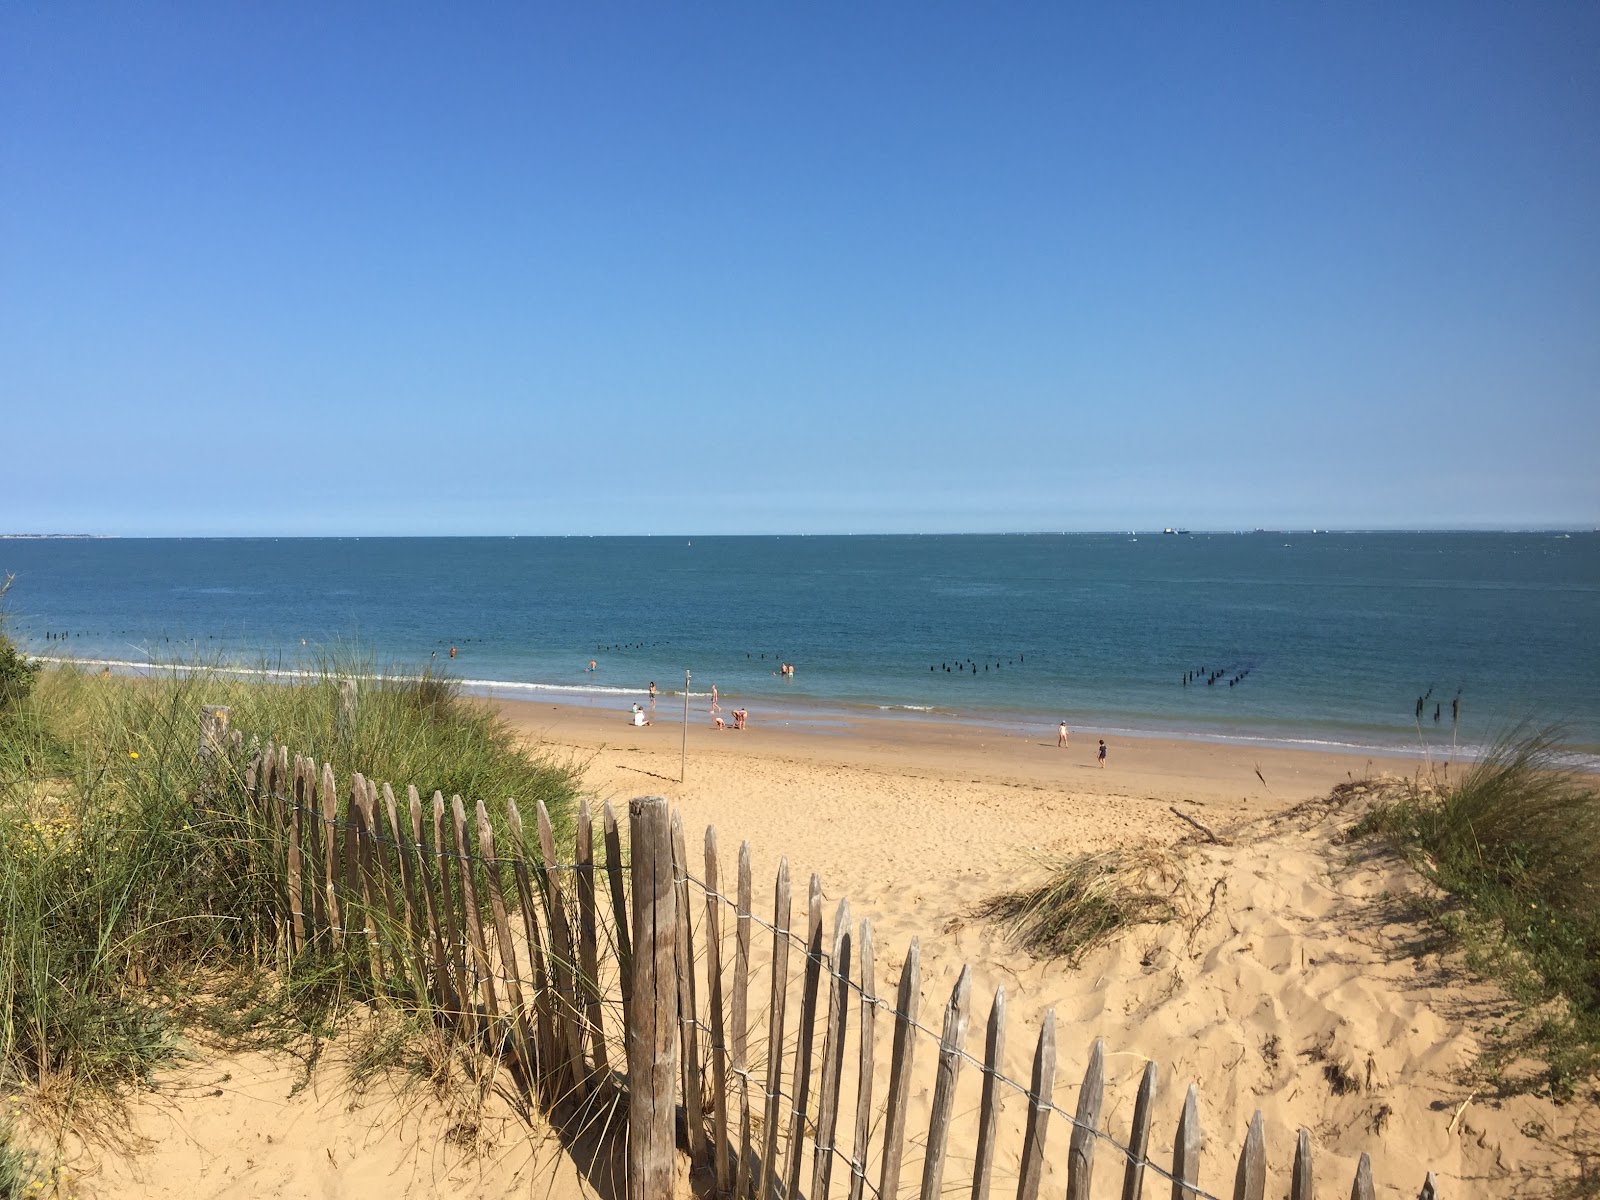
[(1340, 633)]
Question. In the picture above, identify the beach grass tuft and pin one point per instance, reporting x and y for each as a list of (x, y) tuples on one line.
[(1514, 842), (1087, 899), (129, 886)]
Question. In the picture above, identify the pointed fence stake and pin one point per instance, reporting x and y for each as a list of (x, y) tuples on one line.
[(1250, 1183), (1186, 1149), (1040, 1098), (989, 1104), (1080, 1153)]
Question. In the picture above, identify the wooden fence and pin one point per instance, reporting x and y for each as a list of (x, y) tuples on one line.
[(608, 984)]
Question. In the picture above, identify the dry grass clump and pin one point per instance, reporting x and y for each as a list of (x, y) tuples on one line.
[(1087, 899)]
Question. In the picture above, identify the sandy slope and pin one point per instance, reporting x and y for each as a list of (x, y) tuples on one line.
[(1303, 989)]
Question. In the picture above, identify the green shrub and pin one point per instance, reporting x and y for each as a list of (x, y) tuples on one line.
[(17, 673)]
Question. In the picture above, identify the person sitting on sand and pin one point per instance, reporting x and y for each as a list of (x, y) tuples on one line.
[(639, 719)]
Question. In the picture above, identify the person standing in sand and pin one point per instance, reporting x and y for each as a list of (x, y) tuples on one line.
[(652, 695), (1102, 753), (1061, 735), (715, 707)]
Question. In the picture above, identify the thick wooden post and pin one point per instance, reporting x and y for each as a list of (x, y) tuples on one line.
[(989, 1105), (951, 1047), (653, 1017), (1040, 1098)]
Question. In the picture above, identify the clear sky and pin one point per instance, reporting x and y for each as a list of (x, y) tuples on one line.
[(711, 267)]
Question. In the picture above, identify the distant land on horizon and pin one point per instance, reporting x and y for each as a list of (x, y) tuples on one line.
[(1171, 531)]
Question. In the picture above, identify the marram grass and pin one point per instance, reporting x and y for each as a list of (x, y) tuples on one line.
[(121, 881)]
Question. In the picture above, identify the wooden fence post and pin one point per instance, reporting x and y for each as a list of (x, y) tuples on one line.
[(213, 740), (653, 1016)]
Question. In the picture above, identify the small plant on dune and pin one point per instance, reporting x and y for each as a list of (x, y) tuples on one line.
[(17, 672), (1515, 842), (1087, 899), (18, 1167)]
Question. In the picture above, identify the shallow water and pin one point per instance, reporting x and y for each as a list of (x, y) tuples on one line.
[(1339, 633)]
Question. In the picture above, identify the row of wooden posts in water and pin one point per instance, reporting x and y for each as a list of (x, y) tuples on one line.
[(505, 947)]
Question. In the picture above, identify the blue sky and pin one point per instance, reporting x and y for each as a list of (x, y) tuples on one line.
[(342, 268)]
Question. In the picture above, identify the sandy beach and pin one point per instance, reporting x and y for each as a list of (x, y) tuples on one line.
[(1294, 980)]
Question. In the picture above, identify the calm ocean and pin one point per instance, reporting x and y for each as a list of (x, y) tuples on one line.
[(1339, 633)]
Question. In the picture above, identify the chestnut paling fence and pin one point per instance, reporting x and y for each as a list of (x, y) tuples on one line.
[(646, 985)]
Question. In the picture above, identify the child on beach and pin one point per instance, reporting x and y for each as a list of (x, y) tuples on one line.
[(1102, 752), (1061, 735)]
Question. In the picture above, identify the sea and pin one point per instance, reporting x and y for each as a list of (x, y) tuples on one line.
[(1325, 640)]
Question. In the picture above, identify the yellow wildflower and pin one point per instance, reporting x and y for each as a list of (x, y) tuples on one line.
[(133, 754)]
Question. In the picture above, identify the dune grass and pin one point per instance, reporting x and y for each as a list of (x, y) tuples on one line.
[(1515, 843), (124, 881), (1085, 900)]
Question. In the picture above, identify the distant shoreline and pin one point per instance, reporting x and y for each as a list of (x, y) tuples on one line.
[(835, 717)]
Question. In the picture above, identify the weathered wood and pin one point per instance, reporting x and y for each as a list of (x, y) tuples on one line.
[(808, 1029), (449, 869), (1362, 1188), (688, 1002), (388, 879), (1250, 1181), (619, 907), (328, 798), (566, 1015), (989, 1103), (282, 801), (767, 1188), (554, 1070), (1186, 1149), (1430, 1188), (1139, 1135), (588, 946), (522, 1038), (719, 1050), (349, 849), (740, 1019), (1041, 1095), (474, 918), (313, 833), (442, 993), (214, 743), (869, 1013), (297, 916), (951, 1046), (894, 1122), (832, 1053), (410, 904), (365, 831), (1303, 1181), (652, 1032), (1080, 1152)]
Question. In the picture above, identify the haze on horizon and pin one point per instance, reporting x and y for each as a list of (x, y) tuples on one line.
[(378, 270)]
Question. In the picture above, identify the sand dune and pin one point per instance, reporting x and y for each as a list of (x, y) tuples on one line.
[(1294, 980)]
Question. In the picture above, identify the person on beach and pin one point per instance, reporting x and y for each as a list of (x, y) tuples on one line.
[(652, 695), (1061, 735), (1102, 752), (719, 722), (452, 651), (740, 716), (715, 707), (639, 719)]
